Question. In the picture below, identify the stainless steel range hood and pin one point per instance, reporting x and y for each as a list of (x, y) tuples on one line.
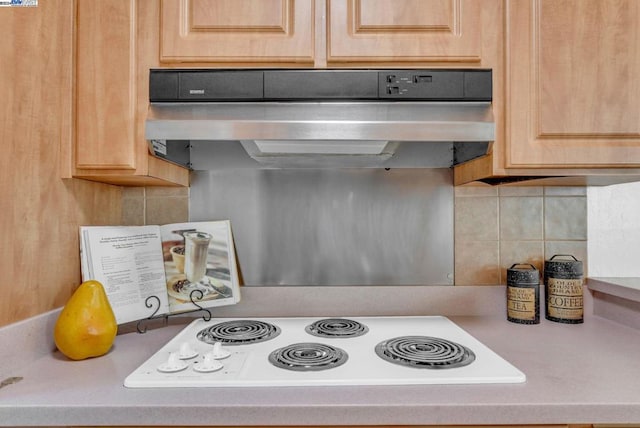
[(317, 117)]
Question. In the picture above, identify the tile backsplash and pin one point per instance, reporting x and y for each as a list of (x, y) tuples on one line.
[(154, 205), (495, 227)]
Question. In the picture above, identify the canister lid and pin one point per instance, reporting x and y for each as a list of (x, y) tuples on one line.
[(567, 265), (523, 273)]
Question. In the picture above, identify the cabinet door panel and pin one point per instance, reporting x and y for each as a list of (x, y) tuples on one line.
[(105, 72), (405, 30), (237, 31), (573, 83), (391, 15), (239, 15), (590, 64), (112, 68)]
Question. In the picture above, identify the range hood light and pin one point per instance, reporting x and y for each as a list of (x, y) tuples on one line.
[(343, 147), (319, 153)]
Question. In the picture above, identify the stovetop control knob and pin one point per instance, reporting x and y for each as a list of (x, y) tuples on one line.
[(173, 364), (187, 352), (219, 352), (209, 364)]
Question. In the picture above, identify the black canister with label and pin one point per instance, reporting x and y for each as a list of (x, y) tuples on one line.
[(563, 280), (523, 294)]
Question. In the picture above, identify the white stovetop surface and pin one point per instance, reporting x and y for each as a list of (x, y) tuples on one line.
[(248, 365)]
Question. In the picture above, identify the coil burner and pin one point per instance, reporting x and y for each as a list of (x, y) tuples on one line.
[(308, 357), (337, 328), (425, 352), (239, 332)]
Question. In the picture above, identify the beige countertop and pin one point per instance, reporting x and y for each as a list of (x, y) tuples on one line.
[(586, 373)]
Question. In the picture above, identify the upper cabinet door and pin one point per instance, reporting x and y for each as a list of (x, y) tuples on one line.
[(573, 85), (111, 87), (237, 31), (105, 72), (405, 31)]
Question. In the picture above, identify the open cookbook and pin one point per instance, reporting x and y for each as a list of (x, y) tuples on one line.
[(179, 264)]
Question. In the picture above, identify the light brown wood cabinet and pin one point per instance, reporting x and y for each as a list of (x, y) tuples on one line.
[(113, 50), (572, 87), (114, 55), (566, 72), (573, 83), (237, 31), (405, 31), (323, 32)]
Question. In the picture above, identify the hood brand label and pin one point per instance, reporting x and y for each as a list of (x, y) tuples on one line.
[(196, 91)]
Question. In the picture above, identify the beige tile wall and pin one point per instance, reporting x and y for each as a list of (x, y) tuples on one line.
[(154, 205), (495, 227)]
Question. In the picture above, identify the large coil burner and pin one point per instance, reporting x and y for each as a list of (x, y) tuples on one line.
[(238, 332), (337, 328), (425, 352), (308, 357)]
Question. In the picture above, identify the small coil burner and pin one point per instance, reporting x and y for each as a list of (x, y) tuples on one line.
[(425, 352), (239, 332), (337, 328), (308, 357)]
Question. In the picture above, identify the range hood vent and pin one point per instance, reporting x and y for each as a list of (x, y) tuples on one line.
[(317, 117)]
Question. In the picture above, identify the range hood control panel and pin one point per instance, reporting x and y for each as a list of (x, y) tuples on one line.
[(434, 85), (206, 85)]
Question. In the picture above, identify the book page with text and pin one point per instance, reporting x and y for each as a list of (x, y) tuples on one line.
[(128, 262)]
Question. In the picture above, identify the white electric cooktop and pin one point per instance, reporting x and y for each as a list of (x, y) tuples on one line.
[(252, 352)]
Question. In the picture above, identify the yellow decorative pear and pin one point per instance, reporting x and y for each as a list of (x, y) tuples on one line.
[(86, 326)]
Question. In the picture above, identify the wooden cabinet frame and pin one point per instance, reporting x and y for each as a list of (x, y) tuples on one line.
[(552, 124), (251, 31), (576, 110), (405, 31), (113, 57), (512, 37)]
